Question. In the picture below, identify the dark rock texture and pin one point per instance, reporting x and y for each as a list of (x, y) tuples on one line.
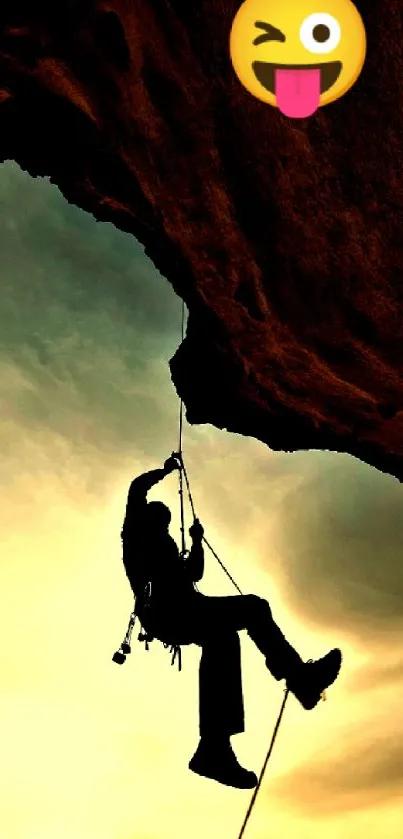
[(284, 238)]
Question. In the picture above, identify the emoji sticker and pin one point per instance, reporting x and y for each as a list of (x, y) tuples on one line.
[(298, 55)]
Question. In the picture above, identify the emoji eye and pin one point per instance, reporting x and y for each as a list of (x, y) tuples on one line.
[(271, 33), (320, 33)]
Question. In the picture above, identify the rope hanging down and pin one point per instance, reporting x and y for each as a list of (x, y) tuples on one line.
[(180, 452), (183, 474), (257, 787)]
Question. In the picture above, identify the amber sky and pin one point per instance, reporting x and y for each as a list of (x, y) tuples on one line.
[(89, 750)]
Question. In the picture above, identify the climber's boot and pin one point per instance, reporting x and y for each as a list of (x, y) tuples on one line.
[(218, 762), (308, 681)]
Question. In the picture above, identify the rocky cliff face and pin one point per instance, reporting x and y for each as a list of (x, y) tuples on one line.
[(284, 238)]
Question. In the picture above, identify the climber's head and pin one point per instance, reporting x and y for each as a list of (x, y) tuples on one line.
[(159, 515)]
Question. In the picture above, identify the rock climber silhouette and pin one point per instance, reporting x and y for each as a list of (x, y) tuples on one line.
[(172, 611)]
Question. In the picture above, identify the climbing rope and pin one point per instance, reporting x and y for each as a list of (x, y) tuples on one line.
[(183, 472), (257, 787), (183, 469), (183, 551)]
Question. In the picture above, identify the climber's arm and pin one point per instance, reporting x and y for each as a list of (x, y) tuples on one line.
[(137, 495), (140, 486)]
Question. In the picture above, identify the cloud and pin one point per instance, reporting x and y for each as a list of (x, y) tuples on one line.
[(87, 327), (378, 676), (370, 775), (340, 531)]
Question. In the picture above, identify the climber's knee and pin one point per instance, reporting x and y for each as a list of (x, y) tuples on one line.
[(257, 607)]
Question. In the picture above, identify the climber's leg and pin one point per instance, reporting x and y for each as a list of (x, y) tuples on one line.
[(252, 613), (221, 712), (220, 687)]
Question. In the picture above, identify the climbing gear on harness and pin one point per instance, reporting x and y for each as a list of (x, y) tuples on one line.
[(176, 651), (124, 650), (119, 657)]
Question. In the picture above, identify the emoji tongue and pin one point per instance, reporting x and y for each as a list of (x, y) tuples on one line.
[(297, 92)]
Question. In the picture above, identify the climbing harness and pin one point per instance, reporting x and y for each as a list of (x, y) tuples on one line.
[(119, 657)]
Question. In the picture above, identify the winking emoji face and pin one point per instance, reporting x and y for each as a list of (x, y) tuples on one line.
[(298, 55)]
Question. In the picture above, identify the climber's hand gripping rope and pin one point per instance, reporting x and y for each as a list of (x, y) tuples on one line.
[(173, 462), (196, 531)]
